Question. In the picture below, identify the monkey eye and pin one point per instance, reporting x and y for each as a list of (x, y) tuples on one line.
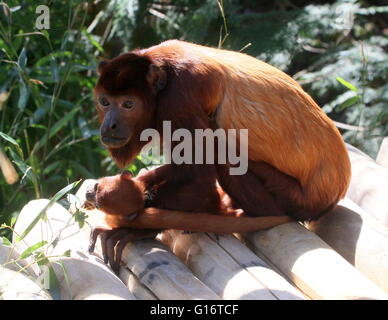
[(104, 102), (128, 104)]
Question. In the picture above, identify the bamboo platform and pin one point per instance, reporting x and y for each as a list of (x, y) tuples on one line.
[(344, 255)]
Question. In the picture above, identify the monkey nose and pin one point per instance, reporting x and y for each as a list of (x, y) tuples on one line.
[(91, 192)]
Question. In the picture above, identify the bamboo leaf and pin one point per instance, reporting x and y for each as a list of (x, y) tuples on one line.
[(6, 242), (92, 41), (81, 169), (347, 84), (24, 93), (55, 128), (348, 103), (54, 69), (22, 61), (9, 139), (29, 251), (29, 34), (55, 285), (51, 167), (42, 213), (13, 141)]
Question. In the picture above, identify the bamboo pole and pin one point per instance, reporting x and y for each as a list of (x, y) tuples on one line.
[(281, 288), (162, 272), (311, 264), (369, 185), (82, 276), (220, 271), (140, 291), (382, 156), (360, 239), (15, 285), (154, 266)]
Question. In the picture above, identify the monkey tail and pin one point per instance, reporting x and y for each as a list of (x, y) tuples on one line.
[(154, 218)]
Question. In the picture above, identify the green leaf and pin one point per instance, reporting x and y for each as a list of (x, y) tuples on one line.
[(42, 213), (80, 217), (55, 128), (6, 242), (348, 103), (55, 285), (29, 34), (54, 69), (25, 169), (92, 41), (13, 141), (46, 34), (24, 93), (52, 166), (81, 169), (41, 258), (347, 84), (29, 251), (9, 139), (22, 61)]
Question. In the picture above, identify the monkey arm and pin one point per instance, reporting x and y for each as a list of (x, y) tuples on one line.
[(154, 218), (154, 176)]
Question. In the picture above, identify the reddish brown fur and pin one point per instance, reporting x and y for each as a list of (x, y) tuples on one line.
[(120, 196), (298, 162)]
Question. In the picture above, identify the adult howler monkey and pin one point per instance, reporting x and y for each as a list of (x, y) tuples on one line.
[(298, 164)]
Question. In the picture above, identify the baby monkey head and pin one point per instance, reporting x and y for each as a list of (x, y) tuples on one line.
[(118, 195)]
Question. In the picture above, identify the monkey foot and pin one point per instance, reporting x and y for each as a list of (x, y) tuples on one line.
[(113, 242)]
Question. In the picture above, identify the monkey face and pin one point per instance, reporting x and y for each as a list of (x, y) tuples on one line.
[(116, 195), (121, 116), (126, 99)]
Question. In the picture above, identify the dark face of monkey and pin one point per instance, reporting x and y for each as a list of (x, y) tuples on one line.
[(121, 116), (116, 195), (125, 98)]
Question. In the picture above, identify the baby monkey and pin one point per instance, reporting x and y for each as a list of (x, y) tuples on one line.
[(133, 211)]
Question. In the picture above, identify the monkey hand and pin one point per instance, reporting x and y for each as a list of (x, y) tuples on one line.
[(113, 242)]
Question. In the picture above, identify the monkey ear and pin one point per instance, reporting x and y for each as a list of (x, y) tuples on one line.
[(126, 175), (101, 66), (156, 77)]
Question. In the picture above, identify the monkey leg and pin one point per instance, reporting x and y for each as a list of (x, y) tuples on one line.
[(287, 191), (113, 242), (283, 186), (249, 193), (264, 190)]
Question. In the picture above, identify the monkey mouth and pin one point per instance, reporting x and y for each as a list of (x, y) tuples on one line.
[(88, 205), (113, 142)]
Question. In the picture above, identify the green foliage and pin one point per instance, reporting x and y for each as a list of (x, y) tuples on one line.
[(48, 125), (47, 119)]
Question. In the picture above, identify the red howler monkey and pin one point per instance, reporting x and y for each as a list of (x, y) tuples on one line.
[(298, 164), (122, 199)]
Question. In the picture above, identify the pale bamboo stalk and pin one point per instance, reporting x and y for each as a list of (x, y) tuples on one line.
[(312, 265)]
